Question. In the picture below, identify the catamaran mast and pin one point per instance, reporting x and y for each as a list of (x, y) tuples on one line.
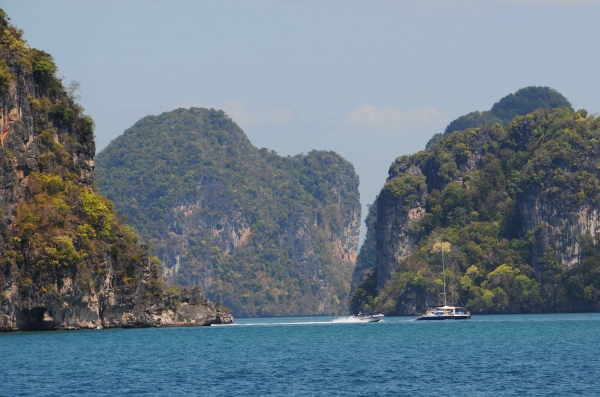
[(444, 272)]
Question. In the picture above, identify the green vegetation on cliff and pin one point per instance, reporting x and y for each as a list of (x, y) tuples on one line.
[(64, 228), (517, 207), (265, 234)]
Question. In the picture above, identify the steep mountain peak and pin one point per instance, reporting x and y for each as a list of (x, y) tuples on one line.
[(526, 100), (522, 102), (201, 120)]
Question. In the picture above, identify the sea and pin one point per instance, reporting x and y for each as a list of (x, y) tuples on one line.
[(501, 355)]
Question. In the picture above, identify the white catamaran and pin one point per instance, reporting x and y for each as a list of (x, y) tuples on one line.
[(445, 312)]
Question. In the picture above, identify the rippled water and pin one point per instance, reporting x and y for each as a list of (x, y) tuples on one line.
[(555, 354)]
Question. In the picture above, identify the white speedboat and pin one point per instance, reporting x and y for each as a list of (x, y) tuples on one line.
[(370, 318)]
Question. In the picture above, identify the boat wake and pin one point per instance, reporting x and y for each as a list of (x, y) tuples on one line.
[(350, 319), (267, 323)]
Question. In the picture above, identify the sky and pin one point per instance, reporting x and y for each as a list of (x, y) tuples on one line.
[(371, 80)]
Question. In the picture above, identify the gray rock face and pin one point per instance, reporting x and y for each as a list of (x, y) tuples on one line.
[(227, 228), (559, 229), (104, 306)]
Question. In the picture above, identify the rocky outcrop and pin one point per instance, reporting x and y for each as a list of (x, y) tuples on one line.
[(223, 318), (104, 305), (66, 260)]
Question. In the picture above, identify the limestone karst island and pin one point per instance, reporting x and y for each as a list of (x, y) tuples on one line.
[(68, 260), (182, 221)]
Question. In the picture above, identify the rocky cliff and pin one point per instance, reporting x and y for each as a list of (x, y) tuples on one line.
[(66, 260), (265, 234), (517, 206)]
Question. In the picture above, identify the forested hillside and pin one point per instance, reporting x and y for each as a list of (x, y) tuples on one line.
[(517, 207), (264, 234)]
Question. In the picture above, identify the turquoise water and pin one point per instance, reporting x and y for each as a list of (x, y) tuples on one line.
[(554, 354)]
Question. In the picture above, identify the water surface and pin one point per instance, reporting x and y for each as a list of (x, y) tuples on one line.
[(556, 354)]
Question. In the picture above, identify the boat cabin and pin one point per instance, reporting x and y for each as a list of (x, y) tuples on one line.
[(447, 311)]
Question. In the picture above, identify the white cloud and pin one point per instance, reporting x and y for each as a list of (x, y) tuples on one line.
[(244, 115), (370, 118), (241, 113)]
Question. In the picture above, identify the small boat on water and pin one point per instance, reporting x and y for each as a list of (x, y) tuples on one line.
[(445, 312), (370, 318)]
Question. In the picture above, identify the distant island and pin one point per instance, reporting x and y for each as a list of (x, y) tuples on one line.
[(514, 193), (267, 235)]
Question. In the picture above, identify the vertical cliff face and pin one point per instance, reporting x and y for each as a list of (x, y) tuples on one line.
[(400, 206), (66, 261), (518, 206), (559, 229), (211, 215), (28, 104), (265, 234)]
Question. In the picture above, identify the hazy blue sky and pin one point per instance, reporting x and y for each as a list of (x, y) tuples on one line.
[(371, 80)]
